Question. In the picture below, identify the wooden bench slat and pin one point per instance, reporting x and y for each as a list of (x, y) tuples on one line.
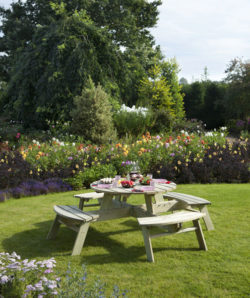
[(192, 200), (178, 217), (73, 212), (90, 195)]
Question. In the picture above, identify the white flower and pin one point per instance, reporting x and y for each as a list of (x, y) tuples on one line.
[(209, 134)]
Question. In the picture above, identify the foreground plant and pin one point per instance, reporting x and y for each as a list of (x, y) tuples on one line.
[(24, 278)]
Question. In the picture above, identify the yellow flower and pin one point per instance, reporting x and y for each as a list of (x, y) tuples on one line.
[(139, 153), (179, 162), (220, 159), (9, 170), (73, 171), (37, 156), (214, 153), (200, 160), (210, 156), (175, 168), (31, 172), (242, 161), (2, 160), (77, 166)]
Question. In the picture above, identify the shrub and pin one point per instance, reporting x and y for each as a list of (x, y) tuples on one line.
[(97, 172), (132, 121), (13, 169), (163, 121), (92, 117)]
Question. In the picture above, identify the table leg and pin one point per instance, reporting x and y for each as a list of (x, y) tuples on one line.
[(149, 204)]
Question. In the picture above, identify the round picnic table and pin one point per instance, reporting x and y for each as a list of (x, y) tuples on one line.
[(115, 198)]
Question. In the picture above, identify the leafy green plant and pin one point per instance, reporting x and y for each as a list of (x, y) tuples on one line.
[(92, 117), (96, 172), (132, 121)]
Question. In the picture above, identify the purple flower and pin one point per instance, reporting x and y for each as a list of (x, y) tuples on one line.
[(4, 279), (48, 271), (240, 123), (29, 288), (70, 157), (172, 154), (166, 145)]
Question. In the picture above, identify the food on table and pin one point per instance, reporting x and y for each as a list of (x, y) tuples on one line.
[(127, 183)]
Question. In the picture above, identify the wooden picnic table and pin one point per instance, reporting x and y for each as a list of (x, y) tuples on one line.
[(114, 203)]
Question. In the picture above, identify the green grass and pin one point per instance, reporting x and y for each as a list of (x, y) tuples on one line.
[(115, 252)]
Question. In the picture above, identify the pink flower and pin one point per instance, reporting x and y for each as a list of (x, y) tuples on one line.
[(18, 135)]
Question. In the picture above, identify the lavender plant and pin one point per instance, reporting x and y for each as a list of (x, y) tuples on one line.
[(24, 278), (27, 278)]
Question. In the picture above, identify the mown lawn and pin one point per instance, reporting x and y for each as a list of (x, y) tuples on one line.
[(115, 252)]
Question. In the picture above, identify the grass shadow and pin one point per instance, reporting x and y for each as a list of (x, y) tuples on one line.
[(33, 243)]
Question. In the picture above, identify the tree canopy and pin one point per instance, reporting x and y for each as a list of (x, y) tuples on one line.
[(51, 48)]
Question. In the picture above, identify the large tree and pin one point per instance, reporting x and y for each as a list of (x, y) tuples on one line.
[(237, 97), (52, 47)]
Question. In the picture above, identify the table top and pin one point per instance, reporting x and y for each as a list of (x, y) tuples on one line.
[(159, 187)]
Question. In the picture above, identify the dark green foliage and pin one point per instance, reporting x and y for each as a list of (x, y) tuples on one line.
[(53, 47), (163, 121), (13, 169), (92, 117), (220, 164), (194, 99), (54, 67), (204, 101), (236, 102)]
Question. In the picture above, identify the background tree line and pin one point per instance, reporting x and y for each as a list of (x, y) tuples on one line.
[(61, 60), (53, 50), (226, 102)]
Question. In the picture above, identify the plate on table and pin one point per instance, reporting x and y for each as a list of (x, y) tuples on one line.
[(143, 188), (104, 185), (160, 180)]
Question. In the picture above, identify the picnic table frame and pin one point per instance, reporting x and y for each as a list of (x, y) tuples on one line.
[(114, 203)]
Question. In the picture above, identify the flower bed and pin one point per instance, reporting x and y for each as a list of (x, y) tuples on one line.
[(186, 158)]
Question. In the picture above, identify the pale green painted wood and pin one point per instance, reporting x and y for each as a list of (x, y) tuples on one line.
[(148, 244), (85, 197), (200, 235), (207, 219), (54, 228), (192, 201), (80, 239), (171, 219)]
